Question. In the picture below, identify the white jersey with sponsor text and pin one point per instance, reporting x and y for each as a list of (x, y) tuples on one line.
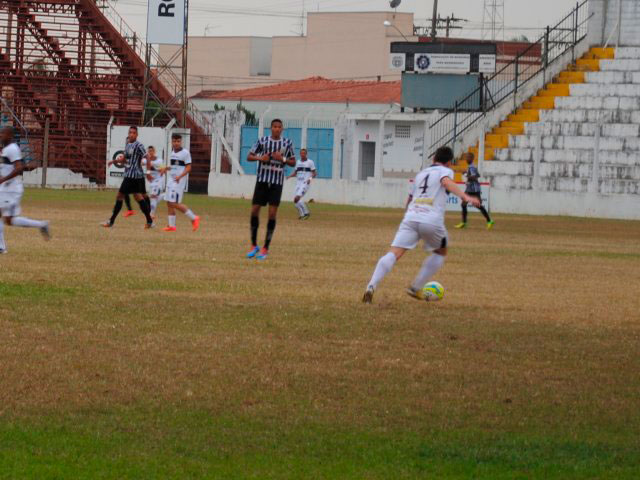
[(179, 161), (155, 174), (11, 154), (429, 196), (304, 170)]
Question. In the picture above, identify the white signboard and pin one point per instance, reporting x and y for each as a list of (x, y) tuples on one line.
[(487, 64), (165, 22), (454, 204), (442, 63), (398, 61), (148, 136)]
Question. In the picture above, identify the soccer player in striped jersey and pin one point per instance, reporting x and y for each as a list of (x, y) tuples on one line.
[(11, 189), (272, 153), (304, 172), (133, 182), (474, 190), (423, 220), (180, 167)]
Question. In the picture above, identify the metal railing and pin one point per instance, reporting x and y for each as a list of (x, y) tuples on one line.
[(512, 77), (167, 76), (21, 132)]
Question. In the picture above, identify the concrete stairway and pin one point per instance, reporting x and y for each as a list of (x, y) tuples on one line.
[(585, 142)]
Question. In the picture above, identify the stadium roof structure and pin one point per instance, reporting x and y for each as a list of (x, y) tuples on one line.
[(314, 90)]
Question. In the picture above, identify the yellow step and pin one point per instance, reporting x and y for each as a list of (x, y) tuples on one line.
[(602, 53), (488, 152), (522, 118), (588, 65), (531, 113), (543, 103), (570, 77), (508, 130), (512, 123), (497, 141), (553, 93), (555, 90)]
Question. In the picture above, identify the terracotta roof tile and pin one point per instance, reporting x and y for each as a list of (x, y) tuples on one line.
[(315, 90)]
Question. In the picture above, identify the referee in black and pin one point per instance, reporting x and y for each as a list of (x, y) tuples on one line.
[(273, 153), (133, 182)]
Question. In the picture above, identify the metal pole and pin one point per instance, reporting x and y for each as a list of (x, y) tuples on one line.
[(619, 23), (185, 48), (515, 90), (434, 21), (455, 125), (45, 153)]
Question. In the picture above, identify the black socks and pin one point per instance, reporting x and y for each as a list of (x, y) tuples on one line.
[(255, 224), (271, 227)]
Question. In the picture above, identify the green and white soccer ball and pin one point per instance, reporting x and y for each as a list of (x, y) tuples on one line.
[(433, 292)]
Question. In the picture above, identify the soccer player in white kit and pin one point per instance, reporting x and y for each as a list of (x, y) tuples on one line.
[(180, 162), (155, 175), (11, 189), (423, 220), (305, 171)]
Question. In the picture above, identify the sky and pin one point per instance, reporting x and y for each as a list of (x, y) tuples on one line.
[(283, 17)]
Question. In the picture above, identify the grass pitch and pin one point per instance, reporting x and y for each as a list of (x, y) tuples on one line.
[(140, 354)]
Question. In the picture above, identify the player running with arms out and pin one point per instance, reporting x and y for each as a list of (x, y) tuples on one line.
[(133, 182), (11, 189), (305, 171), (473, 190), (180, 167), (155, 176), (423, 220), (272, 153)]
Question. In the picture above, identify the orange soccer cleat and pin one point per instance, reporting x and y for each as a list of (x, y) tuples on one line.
[(169, 229), (196, 224), (129, 213)]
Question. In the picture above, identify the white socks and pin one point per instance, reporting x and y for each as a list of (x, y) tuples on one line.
[(3, 246), (172, 220), (385, 264), (190, 214), (430, 267), (154, 205), (302, 208), (27, 223)]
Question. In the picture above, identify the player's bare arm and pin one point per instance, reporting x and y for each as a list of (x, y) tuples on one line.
[(17, 170), (187, 171), (451, 187)]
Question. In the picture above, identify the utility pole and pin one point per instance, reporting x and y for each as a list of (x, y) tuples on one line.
[(434, 21)]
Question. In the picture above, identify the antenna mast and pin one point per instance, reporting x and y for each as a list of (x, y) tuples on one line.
[(493, 20)]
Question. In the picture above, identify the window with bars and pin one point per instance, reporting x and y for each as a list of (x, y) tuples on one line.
[(403, 131)]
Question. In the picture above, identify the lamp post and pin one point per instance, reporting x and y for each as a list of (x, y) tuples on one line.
[(434, 21), (388, 24)]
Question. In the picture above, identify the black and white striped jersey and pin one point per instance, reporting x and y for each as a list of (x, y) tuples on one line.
[(272, 172), (133, 154), (473, 185)]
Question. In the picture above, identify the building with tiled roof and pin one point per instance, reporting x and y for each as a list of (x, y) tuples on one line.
[(327, 98)]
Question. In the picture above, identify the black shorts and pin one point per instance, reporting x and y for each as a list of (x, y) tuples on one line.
[(475, 194), (133, 185), (267, 193)]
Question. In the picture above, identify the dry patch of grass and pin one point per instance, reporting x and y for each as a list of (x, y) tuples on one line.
[(538, 336)]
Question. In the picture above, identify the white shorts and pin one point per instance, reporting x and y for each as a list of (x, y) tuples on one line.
[(10, 204), (302, 189), (410, 233), (156, 188), (174, 193)]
